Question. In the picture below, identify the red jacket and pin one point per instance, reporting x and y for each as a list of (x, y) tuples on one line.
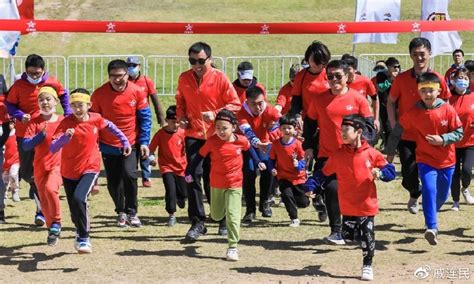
[(214, 93)]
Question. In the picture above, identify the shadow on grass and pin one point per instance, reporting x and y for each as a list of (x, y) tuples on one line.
[(468, 252), (189, 251), (313, 270), (27, 262), (413, 251)]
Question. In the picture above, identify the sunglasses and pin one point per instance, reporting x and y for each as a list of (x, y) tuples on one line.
[(338, 76), (201, 61), (396, 66)]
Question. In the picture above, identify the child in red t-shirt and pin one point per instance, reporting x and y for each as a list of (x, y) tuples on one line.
[(11, 165), (38, 136), (357, 165), (287, 163), (225, 149), (172, 161), (78, 136)]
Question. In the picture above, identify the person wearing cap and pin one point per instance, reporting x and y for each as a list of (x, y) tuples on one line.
[(357, 166), (245, 80), (38, 136), (283, 100), (146, 84), (22, 105), (77, 137), (364, 86), (124, 104), (327, 112), (202, 92), (172, 162), (403, 96), (436, 128)]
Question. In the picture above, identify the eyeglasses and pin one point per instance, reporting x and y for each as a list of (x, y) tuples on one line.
[(201, 61), (396, 66), (338, 76), (117, 76)]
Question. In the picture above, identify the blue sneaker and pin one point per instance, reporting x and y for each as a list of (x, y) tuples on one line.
[(84, 246), (53, 234), (334, 239), (39, 219)]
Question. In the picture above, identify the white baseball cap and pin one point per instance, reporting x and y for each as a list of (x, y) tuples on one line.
[(246, 74)]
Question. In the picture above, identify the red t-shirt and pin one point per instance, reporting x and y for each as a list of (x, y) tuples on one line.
[(329, 110), (25, 96), (44, 160), (119, 108), (214, 93), (259, 124), (309, 86), (405, 90), (171, 151), (357, 193), (436, 121), (3, 109), (11, 152), (145, 84), (464, 106), (363, 85), (284, 98), (226, 161), (284, 155), (241, 91), (81, 155)]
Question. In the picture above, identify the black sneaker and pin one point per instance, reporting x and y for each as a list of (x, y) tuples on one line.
[(267, 210), (320, 207), (248, 218), (197, 229), (2, 217), (181, 202), (222, 231)]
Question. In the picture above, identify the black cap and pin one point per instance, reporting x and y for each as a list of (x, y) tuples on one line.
[(354, 120)]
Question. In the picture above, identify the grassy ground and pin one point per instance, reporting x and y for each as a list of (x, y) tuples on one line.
[(270, 251)]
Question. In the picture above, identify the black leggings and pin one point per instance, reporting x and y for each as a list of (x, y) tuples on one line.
[(462, 171), (361, 229), (175, 188), (329, 195), (410, 181)]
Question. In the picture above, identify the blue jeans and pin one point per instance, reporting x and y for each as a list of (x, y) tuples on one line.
[(146, 168), (435, 190)]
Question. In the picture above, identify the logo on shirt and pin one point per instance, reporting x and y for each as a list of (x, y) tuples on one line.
[(143, 88), (94, 130), (349, 107), (368, 164), (444, 122), (362, 92), (133, 103), (238, 151), (472, 106)]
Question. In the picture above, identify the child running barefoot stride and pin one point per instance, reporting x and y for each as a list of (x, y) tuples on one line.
[(77, 135), (357, 165), (38, 136), (225, 149)]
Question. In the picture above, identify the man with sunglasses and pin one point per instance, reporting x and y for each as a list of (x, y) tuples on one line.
[(327, 111), (147, 86), (126, 105), (22, 104), (201, 93)]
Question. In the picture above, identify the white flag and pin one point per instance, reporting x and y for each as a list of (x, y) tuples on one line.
[(437, 10), (377, 11), (8, 10)]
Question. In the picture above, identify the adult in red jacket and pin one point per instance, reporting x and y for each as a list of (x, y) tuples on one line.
[(202, 92)]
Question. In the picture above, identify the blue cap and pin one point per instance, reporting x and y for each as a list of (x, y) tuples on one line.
[(133, 60)]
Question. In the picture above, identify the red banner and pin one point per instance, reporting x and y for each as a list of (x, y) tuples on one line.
[(234, 28)]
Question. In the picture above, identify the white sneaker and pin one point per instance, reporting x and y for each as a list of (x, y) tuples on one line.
[(367, 273), (16, 196), (467, 196), (295, 223), (455, 206), (431, 235), (232, 254), (85, 246), (413, 205)]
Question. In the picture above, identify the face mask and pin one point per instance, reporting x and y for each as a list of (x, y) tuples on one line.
[(461, 84), (34, 81), (133, 71)]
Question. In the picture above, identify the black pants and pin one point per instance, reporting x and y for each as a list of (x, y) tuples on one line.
[(26, 168), (293, 196), (330, 198), (462, 171), (249, 189), (195, 204), (410, 181), (385, 127), (77, 192), (175, 188), (122, 174), (361, 229)]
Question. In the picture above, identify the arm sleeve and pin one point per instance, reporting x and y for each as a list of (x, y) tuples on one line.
[(112, 128), (453, 136), (310, 127), (281, 98), (64, 100), (31, 142), (301, 165), (271, 164), (14, 111), (144, 125), (296, 105), (180, 101), (249, 133), (254, 155), (193, 164), (59, 143), (231, 99)]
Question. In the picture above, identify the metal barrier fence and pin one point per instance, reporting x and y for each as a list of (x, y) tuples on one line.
[(55, 65)]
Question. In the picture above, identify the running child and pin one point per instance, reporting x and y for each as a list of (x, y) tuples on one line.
[(357, 165), (11, 167), (47, 176), (287, 163), (78, 135), (172, 161)]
